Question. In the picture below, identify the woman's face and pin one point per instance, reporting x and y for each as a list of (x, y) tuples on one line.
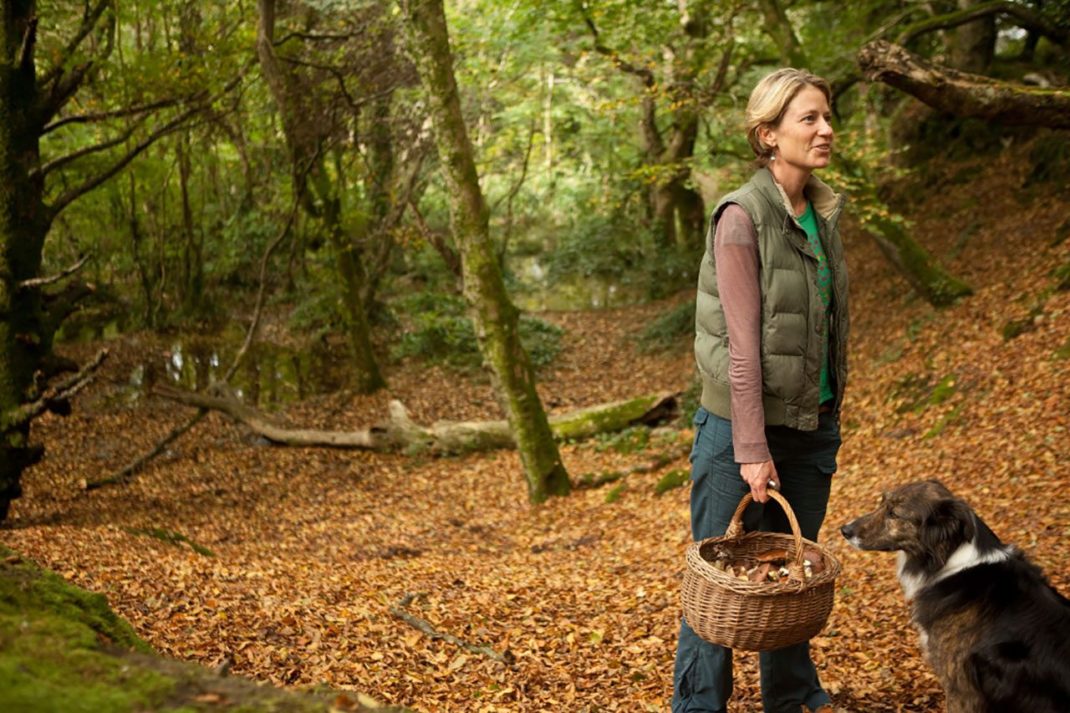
[(803, 138)]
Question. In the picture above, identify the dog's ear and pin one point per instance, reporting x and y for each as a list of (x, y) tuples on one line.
[(948, 524)]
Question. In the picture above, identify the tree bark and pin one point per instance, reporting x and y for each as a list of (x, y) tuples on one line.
[(973, 44), (493, 313), (962, 94), (24, 222)]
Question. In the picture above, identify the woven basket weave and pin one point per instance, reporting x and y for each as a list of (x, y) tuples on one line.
[(757, 616)]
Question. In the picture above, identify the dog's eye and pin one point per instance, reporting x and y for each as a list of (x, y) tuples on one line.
[(899, 514)]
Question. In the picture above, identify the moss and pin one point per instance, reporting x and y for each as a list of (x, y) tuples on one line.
[(601, 420), (614, 494), (63, 650), (948, 419), (675, 478), (597, 480), (1062, 277), (919, 393), (1063, 352), (172, 538)]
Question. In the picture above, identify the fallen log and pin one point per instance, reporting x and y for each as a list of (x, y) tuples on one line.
[(962, 94), (401, 433)]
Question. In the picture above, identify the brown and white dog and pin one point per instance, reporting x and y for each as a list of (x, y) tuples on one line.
[(996, 633)]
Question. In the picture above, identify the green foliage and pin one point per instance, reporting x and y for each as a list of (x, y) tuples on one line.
[(633, 439), (917, 392), (667, 330), (440, 332)]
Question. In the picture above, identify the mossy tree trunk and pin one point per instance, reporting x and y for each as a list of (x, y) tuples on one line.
[(30, 311), (24, 222), (493, 313), (307, 137)]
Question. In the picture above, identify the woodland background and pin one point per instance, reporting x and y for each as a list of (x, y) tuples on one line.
[(301, 212)]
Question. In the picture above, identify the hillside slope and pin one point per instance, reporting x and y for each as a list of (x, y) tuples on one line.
[(318, 554)]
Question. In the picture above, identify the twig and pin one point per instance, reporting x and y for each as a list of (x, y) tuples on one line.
[(416, 622), (127, 472)]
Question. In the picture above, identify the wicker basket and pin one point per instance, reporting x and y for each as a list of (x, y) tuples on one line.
[(757, 616)]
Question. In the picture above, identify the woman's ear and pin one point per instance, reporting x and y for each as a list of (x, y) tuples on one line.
[(767, 135)]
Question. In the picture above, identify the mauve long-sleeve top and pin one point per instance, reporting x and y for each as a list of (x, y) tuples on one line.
[(735, 251)]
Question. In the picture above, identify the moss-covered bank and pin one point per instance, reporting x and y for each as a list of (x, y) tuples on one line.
[(63, 649)]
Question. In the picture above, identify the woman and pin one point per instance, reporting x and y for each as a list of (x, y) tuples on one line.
[(771, 337)]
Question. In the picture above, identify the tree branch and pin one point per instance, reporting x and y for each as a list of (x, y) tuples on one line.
[(67, 198), (64, 86), (962, 94), (1026, 17), (42, 281), (313, 37), (64, 160), (89, 21), (29, 41), (399, 610), (55, 398), (118, 113)]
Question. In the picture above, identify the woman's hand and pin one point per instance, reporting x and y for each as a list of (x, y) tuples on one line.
[(760, 476)]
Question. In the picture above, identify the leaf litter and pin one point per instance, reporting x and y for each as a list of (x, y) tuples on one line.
[(315, 551)]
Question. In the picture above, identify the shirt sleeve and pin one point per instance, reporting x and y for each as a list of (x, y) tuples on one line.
[(735, 247)]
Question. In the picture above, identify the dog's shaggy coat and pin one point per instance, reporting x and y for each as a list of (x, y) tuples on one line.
[(993, 629)]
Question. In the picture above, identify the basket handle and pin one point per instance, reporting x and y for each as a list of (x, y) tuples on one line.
[(735, 528)]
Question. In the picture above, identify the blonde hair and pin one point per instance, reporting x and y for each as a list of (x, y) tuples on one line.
[(770, 100)]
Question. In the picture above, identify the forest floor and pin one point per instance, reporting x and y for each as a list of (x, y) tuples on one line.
[(294, 563)]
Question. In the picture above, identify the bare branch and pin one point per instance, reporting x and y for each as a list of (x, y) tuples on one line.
[(118, 113), (399, 610), (963, 94), (51, 279), (312, 37), (71, 157), (29, 41), (54, 398), (168, 128), (64, 85), (619, 62)]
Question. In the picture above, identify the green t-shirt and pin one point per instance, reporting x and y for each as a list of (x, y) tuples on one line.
[(824, 288)]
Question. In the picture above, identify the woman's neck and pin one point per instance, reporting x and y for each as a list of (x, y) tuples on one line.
[(793, 181)]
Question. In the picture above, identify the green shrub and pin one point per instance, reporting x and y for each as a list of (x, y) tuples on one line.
[(667, 330), (440, 332)]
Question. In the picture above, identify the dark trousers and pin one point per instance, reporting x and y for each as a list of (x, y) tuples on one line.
[(805, 462)]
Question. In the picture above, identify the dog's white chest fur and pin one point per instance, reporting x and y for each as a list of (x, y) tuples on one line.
[(967, 555)]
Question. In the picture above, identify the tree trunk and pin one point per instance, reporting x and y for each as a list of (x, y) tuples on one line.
[(24, 222), (965, 95), (925, 274), (305, 139), (973, 44), (493, 313)]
